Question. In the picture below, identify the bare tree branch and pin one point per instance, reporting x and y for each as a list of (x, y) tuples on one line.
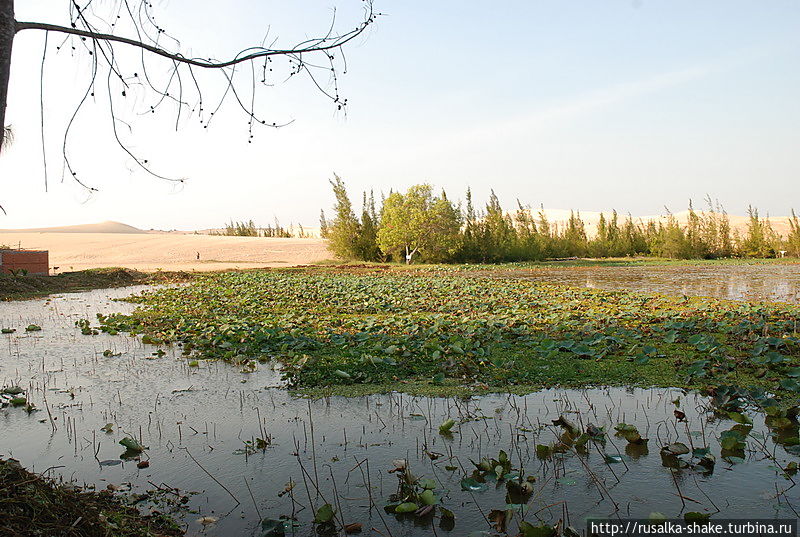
[(98, 34), (41, 108), (317, 45)]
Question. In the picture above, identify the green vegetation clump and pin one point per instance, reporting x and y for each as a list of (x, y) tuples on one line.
[(32, 504), (793, 239), (249, 229), (22, 287), (418, 221), (446, 330), (346, 235), (420, 226)]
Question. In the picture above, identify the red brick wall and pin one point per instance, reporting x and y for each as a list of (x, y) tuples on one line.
[(35, 262)]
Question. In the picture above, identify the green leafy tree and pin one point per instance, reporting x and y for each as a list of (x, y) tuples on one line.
[(419, 223), (760, 238), (793, 240), (599, 245), (697, 244), (632, 238), (239, 229), (323, 224), (498, 235), (345, 230), (615, 248), (725, 244), (575, 236), (367, 243), (528, 245), (670, 240), (470, 236)]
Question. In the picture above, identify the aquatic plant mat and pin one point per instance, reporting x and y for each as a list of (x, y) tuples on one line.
[(32, 504), (360, 331)]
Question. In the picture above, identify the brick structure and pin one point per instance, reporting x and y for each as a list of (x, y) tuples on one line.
[(34, 261)]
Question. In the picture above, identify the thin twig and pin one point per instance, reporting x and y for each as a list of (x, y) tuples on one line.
[(211, 476)]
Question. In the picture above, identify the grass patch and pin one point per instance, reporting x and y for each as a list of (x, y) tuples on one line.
[(31, 286), (32, 504), (360, 331)]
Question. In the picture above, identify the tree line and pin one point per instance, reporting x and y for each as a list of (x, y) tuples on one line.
[(249, 229), (427, 226)]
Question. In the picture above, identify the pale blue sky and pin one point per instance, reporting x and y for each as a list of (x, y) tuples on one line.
[(585, 105)]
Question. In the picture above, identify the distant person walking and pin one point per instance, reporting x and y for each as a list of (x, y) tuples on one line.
[(198, 256)]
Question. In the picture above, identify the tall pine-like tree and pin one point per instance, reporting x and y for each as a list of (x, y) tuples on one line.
[(345, 230)]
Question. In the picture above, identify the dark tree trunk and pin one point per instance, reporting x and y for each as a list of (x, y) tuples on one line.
[(7, 31)]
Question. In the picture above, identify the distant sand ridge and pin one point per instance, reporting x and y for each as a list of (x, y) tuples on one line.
[(102, 227)]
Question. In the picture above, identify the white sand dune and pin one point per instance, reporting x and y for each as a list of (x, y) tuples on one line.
[(167, 251), (102, 227)]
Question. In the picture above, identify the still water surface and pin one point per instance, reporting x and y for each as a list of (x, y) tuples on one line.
[(201, 421), (770, 282)]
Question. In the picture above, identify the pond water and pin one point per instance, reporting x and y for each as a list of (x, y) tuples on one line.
[(769, 281), (201, 424)]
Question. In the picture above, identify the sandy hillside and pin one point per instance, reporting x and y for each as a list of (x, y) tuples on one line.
[(102, 227), (166, 251)]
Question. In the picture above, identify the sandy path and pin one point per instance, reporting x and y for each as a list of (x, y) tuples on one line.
[(168, 251)]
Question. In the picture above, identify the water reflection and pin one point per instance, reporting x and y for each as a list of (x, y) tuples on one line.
[(771, 282)]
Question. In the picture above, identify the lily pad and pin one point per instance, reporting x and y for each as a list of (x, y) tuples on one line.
[(407, 507), (131, 444), (676, 448), (427, 497), (271, 527), (529, 530), (473, 485), (446, 426), (324, 514)]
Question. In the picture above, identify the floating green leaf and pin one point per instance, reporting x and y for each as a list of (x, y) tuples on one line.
[(427, 497), (324, 514), (271, 527), (732, 440), (446, 426), (543, 530), (471, 484), (694, 516), (131, 444), (407, 507), (676, 448), (738, 417), (427, 483)]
